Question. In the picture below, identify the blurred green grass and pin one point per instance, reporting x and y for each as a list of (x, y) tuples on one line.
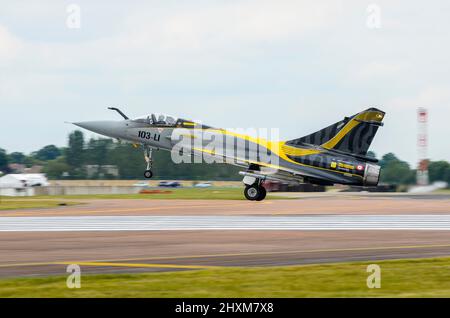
[(442, 191), (399, 278)]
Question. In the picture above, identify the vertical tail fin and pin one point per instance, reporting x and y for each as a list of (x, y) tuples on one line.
[(352, 134)]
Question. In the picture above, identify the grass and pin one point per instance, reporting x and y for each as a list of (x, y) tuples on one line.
[(399, 278), (442, 191), (172, 193), (15, 204)]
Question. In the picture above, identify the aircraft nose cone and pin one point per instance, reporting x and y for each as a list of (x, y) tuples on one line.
[(107, 128), (84, 125)]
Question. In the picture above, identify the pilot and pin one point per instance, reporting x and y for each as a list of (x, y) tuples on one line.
[(161, 120), (170, 121)]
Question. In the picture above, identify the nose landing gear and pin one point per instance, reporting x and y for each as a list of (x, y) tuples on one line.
[(148, 174)]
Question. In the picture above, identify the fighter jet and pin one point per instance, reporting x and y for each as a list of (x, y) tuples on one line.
[(336, 154)]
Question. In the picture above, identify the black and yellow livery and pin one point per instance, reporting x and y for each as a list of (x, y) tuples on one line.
[(335, 154)]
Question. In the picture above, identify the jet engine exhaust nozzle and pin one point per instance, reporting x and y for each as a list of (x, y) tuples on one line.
[(371, 175)]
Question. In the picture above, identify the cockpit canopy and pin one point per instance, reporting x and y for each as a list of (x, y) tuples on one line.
[(162, 120), (158, 120)]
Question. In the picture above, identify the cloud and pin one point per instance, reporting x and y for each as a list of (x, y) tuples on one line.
[(296, 65), (228, 23), (379, 70), (204, 45), (10, 46)]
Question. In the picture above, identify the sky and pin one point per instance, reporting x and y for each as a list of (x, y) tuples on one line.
[(294, 65)]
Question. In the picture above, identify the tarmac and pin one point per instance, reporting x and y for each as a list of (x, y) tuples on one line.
[(123, 236)]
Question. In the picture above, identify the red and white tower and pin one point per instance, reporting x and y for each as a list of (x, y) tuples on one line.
[(422, 146)]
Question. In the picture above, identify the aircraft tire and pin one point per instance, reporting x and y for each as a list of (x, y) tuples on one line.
[(253, 192), (148, 174), (262, 194)]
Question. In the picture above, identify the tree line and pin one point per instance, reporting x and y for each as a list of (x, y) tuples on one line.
[(70, 163)]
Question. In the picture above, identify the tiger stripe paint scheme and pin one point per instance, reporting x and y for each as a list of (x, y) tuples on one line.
[(335, 154)]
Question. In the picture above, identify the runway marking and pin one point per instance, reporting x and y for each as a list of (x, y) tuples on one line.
[(355, 249), (144, 265), (47, 212), (217, 222), (108, 261), (28, 264)]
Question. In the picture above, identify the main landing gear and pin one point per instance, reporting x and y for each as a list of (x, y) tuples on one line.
[(148, 174), (255, 192)]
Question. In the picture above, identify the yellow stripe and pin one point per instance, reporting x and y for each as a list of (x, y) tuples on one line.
[(264, 164), (144, 265), (355, 249), (77, 212), (371, 116), (366, 116), (274, 147), (260, 141), (341, 134), (294, 151), (27, 264)]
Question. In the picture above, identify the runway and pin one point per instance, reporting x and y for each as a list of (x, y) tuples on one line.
[(141, 235), (195, 223), (309, 204), (49, 253)]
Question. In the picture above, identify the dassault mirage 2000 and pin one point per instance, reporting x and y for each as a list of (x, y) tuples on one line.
[(336, 154)]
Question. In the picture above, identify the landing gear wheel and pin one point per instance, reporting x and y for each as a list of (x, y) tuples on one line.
[(254, 192), (262, 194), (148, 174)]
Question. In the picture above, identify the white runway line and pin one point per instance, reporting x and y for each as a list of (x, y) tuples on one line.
[(162, 223)]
